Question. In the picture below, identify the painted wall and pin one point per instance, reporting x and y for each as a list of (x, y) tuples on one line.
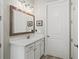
[(40, 14), (22, 6)]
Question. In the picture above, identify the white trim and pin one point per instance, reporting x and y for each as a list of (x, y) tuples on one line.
[(1, 21)]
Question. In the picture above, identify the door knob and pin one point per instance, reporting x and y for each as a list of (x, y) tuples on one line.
[(76, 45)]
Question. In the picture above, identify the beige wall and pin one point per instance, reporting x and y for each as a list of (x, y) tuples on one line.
[(40, 14)]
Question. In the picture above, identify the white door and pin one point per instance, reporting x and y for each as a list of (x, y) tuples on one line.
[(58, 29)]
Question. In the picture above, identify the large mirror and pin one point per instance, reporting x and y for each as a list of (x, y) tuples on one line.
[(21, 22)]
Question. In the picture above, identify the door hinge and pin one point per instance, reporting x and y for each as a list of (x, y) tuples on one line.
[(71, 3), (71, 58), (0, 18), (70, 21), (71, 40), (0, 45)]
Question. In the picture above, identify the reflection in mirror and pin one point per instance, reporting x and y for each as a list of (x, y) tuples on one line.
[(21, 22)]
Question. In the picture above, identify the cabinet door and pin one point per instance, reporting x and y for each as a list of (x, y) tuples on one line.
[(37, 52), (27, 55), (31, 54), (42, 47)]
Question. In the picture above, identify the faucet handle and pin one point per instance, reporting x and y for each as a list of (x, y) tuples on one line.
[(28, 36)]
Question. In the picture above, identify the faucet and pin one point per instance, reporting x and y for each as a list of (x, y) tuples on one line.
[(28, 36)]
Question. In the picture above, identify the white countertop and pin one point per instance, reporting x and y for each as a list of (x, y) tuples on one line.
[(25, 41)]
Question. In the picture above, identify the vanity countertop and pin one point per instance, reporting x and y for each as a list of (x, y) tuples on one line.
[(25, 41)]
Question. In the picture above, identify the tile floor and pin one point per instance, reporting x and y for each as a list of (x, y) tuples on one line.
[(50, 57)]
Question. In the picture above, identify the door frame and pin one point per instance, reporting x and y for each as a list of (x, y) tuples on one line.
[(70, 30), (69, 2), (5, 47), (1, 33)]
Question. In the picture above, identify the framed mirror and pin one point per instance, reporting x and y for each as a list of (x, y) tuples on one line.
[(21, 22)]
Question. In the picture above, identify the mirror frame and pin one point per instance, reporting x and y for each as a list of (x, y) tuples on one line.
[(11, 21)]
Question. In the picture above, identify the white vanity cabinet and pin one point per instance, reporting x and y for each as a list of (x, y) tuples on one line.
[(29, 52), (32, 50)]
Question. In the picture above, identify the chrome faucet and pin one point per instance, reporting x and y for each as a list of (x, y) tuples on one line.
[(28, 36)]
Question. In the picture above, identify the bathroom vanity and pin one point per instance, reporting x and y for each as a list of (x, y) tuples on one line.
[(32, 48)]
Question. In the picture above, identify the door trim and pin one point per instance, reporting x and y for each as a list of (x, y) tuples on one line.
[(70, 29)]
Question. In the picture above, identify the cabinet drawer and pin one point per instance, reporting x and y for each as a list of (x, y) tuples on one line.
[(29, 47)]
